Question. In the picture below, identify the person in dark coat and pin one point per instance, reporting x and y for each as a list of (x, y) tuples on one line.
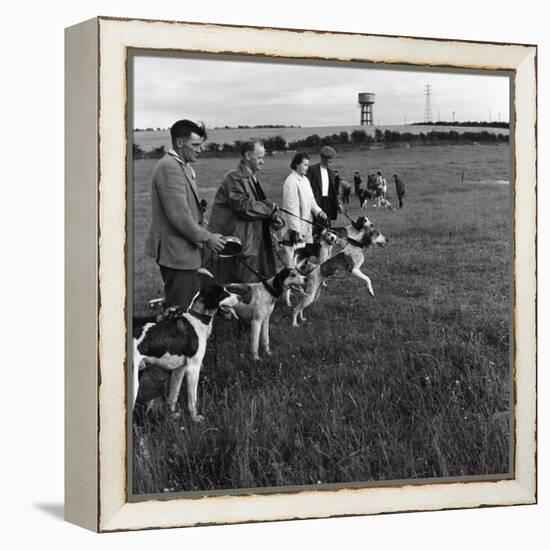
[(337, 180), (345, 187), (241, 209), (321, 178), (371, 183), (177, 235), (357, 182), (399, 189)]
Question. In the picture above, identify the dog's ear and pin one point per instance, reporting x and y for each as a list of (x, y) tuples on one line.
[(284, 273), (280, 277), (369, 236), (211, 296), (359, 223)]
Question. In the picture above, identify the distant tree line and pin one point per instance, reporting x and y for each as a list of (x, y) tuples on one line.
[(355, 139), (434, 136), (139, 153), (389, 137), (468, 123), (246, 127), (150, 129), (239, 127)]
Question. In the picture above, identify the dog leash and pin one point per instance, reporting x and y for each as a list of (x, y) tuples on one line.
[(300, 218), (347, 216), (262, 279), (317, 223)]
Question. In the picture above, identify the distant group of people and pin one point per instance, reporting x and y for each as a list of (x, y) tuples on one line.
[(375, 188), (181, 242)]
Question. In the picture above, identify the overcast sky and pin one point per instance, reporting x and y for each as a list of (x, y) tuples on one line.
[(233, 92)]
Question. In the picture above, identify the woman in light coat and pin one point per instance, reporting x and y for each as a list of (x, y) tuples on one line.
[(299, 200)]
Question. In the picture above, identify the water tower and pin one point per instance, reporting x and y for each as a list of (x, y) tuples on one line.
[(366, 101)]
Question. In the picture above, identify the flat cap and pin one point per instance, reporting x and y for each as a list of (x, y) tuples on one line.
[(327, 152)]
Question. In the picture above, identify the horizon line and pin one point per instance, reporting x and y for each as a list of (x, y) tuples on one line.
[(290, 126)]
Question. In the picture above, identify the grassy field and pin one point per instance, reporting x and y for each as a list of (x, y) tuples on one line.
[(413, 383)]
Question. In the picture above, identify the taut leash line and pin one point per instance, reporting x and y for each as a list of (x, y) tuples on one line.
[(262, 279), (300, 218)]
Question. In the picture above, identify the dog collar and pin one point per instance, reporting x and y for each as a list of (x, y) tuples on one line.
[(201, 317), (271, 290), (355, 243)]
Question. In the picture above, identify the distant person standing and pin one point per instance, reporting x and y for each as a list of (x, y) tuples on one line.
[(241, 209), (357, 182), (381, 185), (399, 189), (371, 183), (176, 234), (381, 188), (337, 180), (321, 178), (345, 187)]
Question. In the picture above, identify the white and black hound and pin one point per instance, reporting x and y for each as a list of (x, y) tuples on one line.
[(176, 341), (350, 259)]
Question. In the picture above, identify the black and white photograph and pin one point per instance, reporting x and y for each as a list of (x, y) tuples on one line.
[(282, 268), (320, 274)]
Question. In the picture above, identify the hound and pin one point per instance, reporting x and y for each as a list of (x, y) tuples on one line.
[(330, 237), (354, 230), (383, 203), (289, 241), (258, 308), (176, 341), (350, 259), (364, 196)]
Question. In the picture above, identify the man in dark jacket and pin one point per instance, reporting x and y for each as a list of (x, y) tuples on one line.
[(242, 209), (371, 183), (399, 189), (337, 180), (176, 236), (321, 177), (357, 182)]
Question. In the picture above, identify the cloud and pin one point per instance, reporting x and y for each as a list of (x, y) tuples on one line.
[(232, 92)]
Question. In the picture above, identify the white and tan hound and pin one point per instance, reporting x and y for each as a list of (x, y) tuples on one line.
[(350, 258), (257, 309)]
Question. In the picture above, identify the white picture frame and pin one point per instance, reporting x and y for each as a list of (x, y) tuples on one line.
[(96, 216)]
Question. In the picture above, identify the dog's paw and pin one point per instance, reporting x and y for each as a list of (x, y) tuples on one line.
[(255, 357), (198, 418), (175, 415), (268, 352)]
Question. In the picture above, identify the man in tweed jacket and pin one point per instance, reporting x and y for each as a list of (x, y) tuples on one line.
[(176, 234)]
